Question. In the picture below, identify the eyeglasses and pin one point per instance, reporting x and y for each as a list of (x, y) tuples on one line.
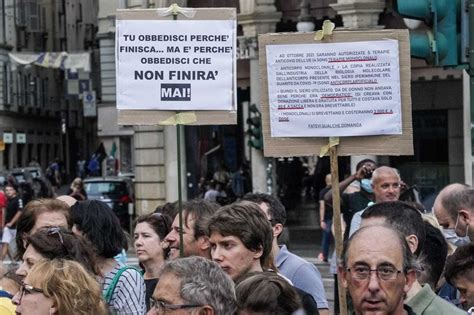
[(55, 230), (162, 306), (162, 218), (385, 273), (26, 289)]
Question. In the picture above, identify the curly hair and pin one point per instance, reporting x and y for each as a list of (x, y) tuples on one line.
[(69, 285)]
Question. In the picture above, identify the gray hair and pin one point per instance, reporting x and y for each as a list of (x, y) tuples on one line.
[(383, 170), (408, 259), (203, 283), (457, 197)]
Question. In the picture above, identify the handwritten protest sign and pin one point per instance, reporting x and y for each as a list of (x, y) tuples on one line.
[(175, 65), (334, 89)]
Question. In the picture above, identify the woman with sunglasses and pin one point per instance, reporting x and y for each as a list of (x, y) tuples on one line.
[(53, 243), (59, 287), (149, 231)]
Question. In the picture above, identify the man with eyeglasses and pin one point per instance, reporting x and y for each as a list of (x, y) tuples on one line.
[(377, 269), (386, 185), (193, 285), (407, 220)]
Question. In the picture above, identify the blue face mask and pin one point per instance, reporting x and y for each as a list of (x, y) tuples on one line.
[(454, 239), (366, 185)]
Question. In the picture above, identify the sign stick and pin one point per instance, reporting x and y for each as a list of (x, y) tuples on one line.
[(180, 198), (336, 206)]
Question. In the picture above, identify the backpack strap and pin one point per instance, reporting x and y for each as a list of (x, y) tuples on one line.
[(110, 290)]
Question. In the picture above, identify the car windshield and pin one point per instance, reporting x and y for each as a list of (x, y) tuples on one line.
[(34, 173), (105, 188)]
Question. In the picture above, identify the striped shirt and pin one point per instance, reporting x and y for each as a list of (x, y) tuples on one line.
[(128, 297)]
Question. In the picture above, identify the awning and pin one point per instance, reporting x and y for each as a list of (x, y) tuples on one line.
[(56, 60)]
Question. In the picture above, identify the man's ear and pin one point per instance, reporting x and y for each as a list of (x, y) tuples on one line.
[(258, 253), (341, 276), (412, 241), (277, 230), (465, 215), (206, 310), (203, 242), (410, 278)]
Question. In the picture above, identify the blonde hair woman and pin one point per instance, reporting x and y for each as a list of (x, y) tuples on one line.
[(77, 189), (59, 287)]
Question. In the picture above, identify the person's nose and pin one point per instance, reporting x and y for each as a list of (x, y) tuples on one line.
[(170, 238), (16, 298), (22, 271), (138, 242), (216, 254), (374, 284)]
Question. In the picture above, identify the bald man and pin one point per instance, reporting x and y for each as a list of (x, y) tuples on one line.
[(454, 210), (377, 270)]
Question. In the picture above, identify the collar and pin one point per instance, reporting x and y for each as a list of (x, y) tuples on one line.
[(421, 300), (283, 254)]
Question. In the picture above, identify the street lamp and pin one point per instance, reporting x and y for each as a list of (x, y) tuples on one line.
[(305, 20)]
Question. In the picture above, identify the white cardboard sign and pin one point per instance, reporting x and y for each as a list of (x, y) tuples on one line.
[(175, 65), (334, 89)]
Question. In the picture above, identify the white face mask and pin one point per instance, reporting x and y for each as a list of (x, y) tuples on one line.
[(451, 236), (466, 236)]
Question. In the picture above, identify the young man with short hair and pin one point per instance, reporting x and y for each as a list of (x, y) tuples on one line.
[(12, 214)]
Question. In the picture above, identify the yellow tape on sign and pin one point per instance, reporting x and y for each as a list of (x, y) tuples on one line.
[(184, 118), (327, 29), (333, 141), (175, 9)]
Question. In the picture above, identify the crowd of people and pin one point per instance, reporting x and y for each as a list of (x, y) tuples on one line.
[(397, 258)]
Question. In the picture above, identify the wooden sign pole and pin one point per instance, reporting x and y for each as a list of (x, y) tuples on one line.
[(336, 221)]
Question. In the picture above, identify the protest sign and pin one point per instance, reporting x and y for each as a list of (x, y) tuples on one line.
[(334, 89), (165, 65), (354, 85)]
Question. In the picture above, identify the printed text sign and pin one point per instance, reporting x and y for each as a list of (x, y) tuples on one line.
[(334, 89), (175, 65)]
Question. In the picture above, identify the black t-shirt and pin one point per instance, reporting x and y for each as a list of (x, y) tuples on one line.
[(150, 285), (309, 304), (327, 206), (14, 205)]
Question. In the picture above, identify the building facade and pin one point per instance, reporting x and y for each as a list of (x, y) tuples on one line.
[(41, 116), (150, 152)]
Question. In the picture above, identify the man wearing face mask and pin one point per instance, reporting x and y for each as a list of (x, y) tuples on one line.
[(454, 210), (354, 202), (386, 185)]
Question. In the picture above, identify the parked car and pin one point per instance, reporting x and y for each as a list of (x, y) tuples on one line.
[(31, 182), (116, 192)]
